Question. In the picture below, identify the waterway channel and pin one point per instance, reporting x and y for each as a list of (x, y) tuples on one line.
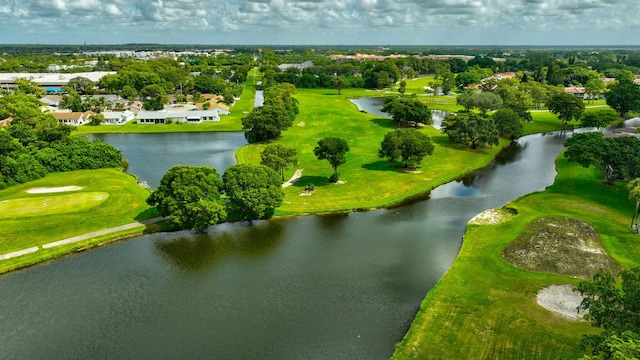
[(343, 286)]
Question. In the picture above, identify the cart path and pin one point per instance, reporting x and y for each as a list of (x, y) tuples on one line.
[(297, 175), (74, 239)]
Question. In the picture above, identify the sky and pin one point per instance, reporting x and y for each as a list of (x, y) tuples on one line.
[(321, 22)]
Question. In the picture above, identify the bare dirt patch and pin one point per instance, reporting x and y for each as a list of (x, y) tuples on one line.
[(301, 124), (562, 300), (46, 190), (492, 217), (560, 245)]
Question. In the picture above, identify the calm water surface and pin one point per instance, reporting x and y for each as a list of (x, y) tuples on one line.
[(341, 286), (374, 105)]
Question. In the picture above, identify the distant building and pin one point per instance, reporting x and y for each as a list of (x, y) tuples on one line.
[(300, 66), (185, 117)]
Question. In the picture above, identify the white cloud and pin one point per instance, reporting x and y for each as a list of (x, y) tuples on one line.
[(335, 21)]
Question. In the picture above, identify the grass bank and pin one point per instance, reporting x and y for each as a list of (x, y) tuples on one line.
[(485, 308), (107, 198)]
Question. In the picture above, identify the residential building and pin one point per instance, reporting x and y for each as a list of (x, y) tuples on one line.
[(117, 117), (186, 117), (73, 118)]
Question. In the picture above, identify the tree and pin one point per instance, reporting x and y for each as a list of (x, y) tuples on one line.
[(81, 85), (29, 87), (254, 190), (266, 123), (466, 78), (407, 144), (470, 129), (338, 83), (598, 118), (407, 108), (190, 197), (566, 106), (97, 119), (613, 308), (615, 157), (508, 123), (624, 95), (333, 150), (155, 96), (593, 89), (278, 157), (634, 194)]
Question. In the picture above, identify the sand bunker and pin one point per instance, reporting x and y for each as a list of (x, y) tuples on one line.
[(46, 190), (491, 217), (562, 300)]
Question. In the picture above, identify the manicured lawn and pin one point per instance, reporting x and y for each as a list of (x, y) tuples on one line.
[(486, 308), (370, 181), (108, 198)]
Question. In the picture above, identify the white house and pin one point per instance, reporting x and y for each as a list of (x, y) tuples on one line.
[(73, 118), (117, 117), (187, 117)]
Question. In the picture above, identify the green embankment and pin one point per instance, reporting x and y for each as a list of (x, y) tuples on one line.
[(108, 198), (485, 308), (370, 182)]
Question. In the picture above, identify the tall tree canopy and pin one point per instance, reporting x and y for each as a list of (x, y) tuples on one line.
[(508, 123), (566, 106), (613, 308), (470, 129), (407, 108), (624, 95), (617, 158), (190, 197), (332, 149), (409, 145), (278, 157), (254, 190)]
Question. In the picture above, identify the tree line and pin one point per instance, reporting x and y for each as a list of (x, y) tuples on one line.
[(34, 144)]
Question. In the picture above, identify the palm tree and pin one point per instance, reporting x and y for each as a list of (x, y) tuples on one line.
[(634, 194)]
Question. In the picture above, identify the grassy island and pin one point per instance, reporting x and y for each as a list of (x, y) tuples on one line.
[(487, 306)]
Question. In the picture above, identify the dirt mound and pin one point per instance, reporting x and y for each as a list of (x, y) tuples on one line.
[(560, 245)]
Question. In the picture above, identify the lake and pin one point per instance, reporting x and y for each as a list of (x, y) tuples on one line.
[(343, 286)]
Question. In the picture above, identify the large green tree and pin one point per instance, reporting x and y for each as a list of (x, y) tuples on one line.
[(404, 109), (613, 308), (634, 194), (278, 157), (617, 158), (599, 118), (470, 129), (254, 190), (190, 197), (624, 95), (508, 123), (332, 149), (409, 145), (566, 106)]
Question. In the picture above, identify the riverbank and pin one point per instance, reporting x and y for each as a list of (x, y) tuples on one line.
[(488, 308)]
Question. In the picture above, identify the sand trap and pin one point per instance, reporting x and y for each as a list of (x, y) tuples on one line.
[(45, 190), (301, 124), (491, 217), (562, 300)]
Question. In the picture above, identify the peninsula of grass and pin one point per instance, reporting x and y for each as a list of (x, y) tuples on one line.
[(370, 182), (485, 308), (103, 199)]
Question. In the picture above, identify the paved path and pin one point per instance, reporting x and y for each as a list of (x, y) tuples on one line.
[(74, 239), (297, 175)]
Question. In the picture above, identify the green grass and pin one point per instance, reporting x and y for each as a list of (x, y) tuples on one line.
[(108, 198), (370, 181), (485, 308)]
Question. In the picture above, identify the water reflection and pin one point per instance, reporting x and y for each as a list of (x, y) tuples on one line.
[(199, 251)]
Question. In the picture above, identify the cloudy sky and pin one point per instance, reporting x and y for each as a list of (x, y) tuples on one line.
[(320, 22)]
